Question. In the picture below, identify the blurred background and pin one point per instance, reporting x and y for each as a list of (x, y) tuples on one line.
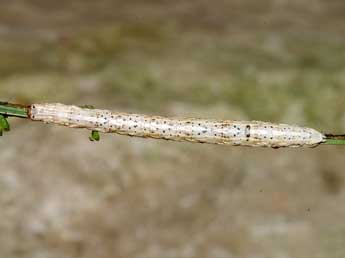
[(274, 60)]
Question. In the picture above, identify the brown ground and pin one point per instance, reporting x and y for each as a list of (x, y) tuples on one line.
[(276, 60)]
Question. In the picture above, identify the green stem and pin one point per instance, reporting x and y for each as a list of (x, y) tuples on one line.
[(335, 142), (15, 110), (332, 139)]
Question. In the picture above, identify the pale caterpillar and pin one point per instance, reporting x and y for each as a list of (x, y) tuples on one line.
[(244, 133)]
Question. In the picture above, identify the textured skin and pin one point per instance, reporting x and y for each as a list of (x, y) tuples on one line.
[(244, 133)]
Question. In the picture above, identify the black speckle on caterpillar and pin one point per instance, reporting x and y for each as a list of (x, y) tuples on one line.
[(245, 133)]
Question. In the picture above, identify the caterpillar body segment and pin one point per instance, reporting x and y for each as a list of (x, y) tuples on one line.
[(244, 133)]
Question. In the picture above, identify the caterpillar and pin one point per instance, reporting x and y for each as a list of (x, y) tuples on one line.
[(244, 133)]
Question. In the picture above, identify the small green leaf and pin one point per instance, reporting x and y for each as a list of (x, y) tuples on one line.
[(4, 123), (95, 136)]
